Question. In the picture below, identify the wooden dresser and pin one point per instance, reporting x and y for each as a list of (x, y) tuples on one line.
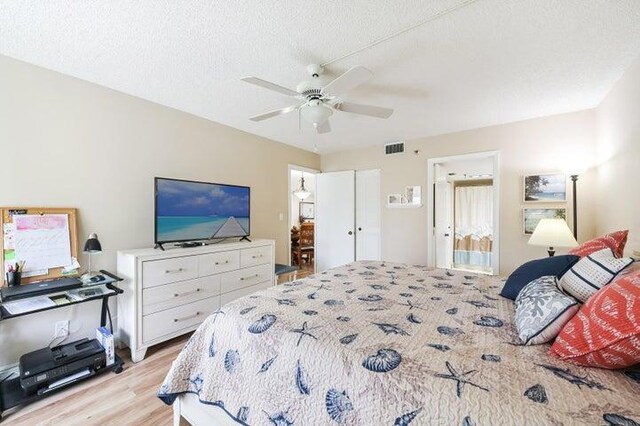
[(169, 293)]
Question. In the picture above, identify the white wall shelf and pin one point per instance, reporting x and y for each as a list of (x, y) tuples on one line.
[(404, 206)]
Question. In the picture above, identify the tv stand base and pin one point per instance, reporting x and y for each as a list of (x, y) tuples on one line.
[(245, 238), (158, 246)]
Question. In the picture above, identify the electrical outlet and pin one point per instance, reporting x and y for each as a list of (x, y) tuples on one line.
[(62, 329)]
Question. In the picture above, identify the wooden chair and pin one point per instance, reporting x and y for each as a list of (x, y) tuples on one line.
[(305, 246)]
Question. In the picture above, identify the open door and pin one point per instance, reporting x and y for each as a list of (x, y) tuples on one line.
[(470, 239), (335, 219), (444, 226)]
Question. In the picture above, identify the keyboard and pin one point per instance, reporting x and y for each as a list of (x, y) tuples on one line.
[(39, 288)]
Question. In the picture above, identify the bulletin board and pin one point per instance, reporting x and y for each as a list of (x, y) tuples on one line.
[(42, 236)]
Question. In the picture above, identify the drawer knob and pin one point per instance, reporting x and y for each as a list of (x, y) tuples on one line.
[(187, 317), (173, 271), (186, 293), (225, 262), (249, 277), (255, 256)]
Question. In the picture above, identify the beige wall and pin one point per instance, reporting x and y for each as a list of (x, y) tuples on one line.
[(548, 144), (618, 119), (66, 142)]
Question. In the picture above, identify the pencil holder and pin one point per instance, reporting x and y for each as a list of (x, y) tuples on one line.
[(13, 278)]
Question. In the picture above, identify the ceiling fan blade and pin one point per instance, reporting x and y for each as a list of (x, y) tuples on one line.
[(274, 113), (347, 81), (271, 86), (370, 110), (323, 128)]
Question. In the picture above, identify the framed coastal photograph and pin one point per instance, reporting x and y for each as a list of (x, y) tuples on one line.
[(395, 199), (307, 210), (531, 217), (548, 188), (413, 194)]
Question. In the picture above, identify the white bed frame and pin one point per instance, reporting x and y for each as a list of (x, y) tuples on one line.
[(188, 410)]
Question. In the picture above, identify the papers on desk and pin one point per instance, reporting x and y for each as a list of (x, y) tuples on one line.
[(28, 305)]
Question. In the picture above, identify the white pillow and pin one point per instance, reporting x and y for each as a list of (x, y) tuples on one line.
[(591, 273), (542, 310)]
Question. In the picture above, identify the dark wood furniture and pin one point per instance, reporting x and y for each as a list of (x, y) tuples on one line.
[(305, 245)]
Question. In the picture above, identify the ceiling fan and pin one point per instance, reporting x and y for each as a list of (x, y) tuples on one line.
[(319, 100)]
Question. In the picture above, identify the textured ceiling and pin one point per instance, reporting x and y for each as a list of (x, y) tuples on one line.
[(492, 62)]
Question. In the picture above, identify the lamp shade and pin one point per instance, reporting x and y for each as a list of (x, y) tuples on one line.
[(93, 244), (553, 233)]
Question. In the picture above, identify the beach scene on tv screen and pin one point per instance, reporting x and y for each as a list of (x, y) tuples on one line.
[(198, 211)]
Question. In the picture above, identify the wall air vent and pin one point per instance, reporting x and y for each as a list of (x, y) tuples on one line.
[(394, 148)]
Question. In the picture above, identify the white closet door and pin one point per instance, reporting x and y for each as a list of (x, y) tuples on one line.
[(335, 219), (368, 215), (444, 222)]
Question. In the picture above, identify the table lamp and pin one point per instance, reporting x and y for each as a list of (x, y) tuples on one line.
[(552, 233), (91, 247)]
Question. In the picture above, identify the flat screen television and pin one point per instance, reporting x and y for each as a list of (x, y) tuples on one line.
[(192, 211)]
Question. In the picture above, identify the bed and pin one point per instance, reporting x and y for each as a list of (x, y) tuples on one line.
[(375, 343)]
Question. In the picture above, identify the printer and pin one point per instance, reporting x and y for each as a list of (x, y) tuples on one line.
[(47, 369)]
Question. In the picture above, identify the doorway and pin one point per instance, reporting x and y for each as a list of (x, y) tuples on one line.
[(301, 219), (463, 218)]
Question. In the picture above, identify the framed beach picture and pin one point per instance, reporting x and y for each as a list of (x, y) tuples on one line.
[(531, 217), (413, 194), (395, 199), (549, 188), (307, 211)]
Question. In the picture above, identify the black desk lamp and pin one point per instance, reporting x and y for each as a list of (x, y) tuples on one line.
[(91, 247)]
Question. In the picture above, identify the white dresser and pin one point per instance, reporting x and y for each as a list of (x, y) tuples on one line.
[(169, 293)]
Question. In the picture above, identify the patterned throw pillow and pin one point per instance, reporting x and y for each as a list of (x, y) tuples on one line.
[(534, 269), (615, 241), (605, 332), (592, 273), (542, 310)]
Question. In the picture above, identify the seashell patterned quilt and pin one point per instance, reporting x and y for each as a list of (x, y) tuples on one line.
[(379, 343)]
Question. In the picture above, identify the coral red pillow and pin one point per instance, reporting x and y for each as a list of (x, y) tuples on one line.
[(605, 332), (615, 241)]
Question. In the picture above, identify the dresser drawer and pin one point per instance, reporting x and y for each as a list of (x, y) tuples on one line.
[(158, 272), (233, 295), (245, 278), (168, 296), (214, 263), (255, 256), (182, 317)]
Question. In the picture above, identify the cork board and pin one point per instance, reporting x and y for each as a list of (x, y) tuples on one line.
[(8, 251)]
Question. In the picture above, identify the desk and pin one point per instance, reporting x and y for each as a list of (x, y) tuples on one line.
[(11, 394)]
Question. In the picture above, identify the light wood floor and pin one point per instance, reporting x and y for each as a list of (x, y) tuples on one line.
[(128, 398), (305, 270)]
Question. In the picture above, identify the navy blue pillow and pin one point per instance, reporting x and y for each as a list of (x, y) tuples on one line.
[(555, 265)]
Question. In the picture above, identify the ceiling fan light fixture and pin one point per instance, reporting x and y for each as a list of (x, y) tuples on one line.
[(315, 113)]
